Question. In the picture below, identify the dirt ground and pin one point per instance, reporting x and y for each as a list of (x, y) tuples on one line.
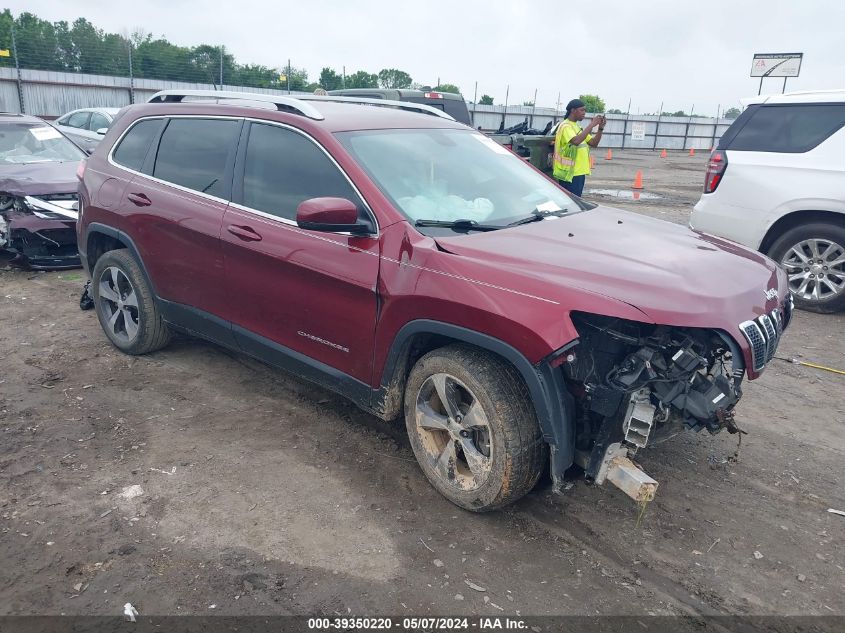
[(257, 493)]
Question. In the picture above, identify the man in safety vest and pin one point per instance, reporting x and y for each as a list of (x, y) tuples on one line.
[(572, 147)]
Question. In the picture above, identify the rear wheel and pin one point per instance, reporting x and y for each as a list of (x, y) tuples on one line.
[(125, 304), (473, 428), (814, 258)]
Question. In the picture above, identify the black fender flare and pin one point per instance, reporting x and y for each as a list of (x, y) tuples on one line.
[(553, 404), (96, 227)]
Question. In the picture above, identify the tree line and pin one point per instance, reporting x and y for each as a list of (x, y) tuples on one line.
[(81, 47)]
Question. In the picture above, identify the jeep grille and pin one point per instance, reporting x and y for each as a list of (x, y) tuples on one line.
[(763, 333)]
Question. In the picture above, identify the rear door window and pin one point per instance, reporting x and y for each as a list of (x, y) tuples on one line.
[(788, 128), (78, 119), (283, 168), (195, 153), (136, 142), (98, 121)]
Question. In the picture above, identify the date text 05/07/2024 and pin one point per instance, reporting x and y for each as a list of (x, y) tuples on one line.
[(416, 624)]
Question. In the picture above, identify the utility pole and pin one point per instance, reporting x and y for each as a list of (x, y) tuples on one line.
[(343, 81), (18, 68), (131, 77), (533, 108), (505, 113), (221, 67), (625, 125), (287, 74), (689, 122), (474, 104), (715, 126), (657, 126)]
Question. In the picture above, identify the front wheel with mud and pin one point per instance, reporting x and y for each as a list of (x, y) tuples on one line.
[(473, 428)]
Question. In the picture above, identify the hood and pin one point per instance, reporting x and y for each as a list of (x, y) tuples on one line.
[(38, 179), (672, 274)]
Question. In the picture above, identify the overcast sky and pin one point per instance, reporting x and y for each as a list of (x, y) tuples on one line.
[(680, 53)]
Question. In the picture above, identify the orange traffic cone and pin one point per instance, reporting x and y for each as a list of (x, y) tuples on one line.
[(638, 180), (692, 151), (609, 155), (663, 154), (592, 161)]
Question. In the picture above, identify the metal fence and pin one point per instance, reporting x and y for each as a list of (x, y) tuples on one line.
[(660, 132), (50, 94)]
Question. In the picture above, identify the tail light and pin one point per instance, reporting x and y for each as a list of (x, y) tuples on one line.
[(433, 95), (80, 171), (716, 167)]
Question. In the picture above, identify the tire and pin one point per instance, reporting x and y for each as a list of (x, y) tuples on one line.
[(125, 304), (481, 447), (816, 249)]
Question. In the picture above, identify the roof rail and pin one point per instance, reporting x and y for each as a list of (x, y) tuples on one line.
[(390, 103), (816, 92), (282, 103), (296, 104)]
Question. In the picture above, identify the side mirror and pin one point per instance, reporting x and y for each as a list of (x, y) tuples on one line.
[(333, 215), (102, 131)]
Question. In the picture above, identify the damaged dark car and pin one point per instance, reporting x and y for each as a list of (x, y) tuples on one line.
[(38, 199)]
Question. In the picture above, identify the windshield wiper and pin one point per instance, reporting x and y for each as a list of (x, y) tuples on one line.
[(468, 225), (536, 216)]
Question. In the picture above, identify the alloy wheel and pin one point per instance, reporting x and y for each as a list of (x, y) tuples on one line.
[(454, 432), (119, 304), (816, 269)]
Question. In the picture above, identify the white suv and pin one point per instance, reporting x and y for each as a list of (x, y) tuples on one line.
[(776, 183)]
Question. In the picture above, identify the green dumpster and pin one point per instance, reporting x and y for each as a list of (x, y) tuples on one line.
[(540, 150)]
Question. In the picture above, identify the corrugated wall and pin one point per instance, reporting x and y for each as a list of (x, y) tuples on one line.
[(51, 94), (9, 96)]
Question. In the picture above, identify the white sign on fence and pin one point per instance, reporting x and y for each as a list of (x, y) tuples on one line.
[(638, 131), (776, 64)]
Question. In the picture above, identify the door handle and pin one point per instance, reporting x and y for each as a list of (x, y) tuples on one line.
[(244, 232), (139, 199)]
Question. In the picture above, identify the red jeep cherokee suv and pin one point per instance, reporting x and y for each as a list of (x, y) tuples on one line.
[(408, 262)]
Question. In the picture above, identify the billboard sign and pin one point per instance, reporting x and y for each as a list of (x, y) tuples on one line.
[(776, 64)]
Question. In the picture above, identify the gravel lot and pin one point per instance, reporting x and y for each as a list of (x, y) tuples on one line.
[(194, 481)]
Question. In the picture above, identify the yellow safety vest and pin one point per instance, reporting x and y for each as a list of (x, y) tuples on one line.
[(564, 157), (566, 153)]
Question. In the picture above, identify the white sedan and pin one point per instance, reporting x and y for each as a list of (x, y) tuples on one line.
[(87, 126)]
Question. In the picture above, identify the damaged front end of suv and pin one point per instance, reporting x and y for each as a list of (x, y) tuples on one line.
[(637, 384), (40, 231)]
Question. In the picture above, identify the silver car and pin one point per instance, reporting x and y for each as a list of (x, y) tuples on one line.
[(87, 126)]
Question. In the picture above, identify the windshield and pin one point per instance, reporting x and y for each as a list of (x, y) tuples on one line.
[(449, 175), (28, 143)]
